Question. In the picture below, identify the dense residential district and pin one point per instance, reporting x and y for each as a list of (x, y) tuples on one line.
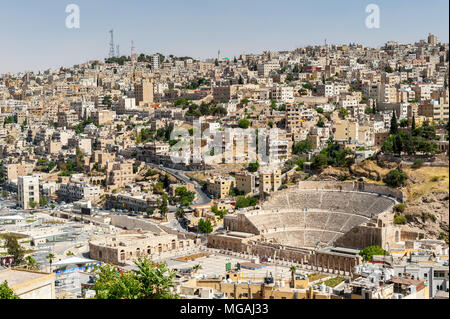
[(318, 173)]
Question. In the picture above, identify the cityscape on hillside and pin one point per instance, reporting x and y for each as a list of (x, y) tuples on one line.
[(315, 173)]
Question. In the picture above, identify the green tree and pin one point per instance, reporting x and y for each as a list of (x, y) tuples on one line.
[(396, 178), (244, 123), (205, 226), (368, 252), (220, 213), (149, 281), (303, 147), (343, 113), (184, 196), (243, 202), (293, 269), (30, 263), (163, 207), (32, 204), (50, 257), (320, 161), (253, 167), (394, 125), (43, 201), (397, 145), (404, 123), (14, 248), (196, 268), (6, 292)]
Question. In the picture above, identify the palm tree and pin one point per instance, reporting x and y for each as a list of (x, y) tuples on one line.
[(50, 258), (31, 263), (293, 269), (197, 268)]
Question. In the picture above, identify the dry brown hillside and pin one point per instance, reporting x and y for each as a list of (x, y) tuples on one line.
[(427, 193)]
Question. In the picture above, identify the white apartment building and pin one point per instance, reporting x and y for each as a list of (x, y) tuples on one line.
[(282, 94), (28, 190), (265, 68), (78, 190), (155, 61)]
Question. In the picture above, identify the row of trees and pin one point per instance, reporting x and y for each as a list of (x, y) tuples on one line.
[(333, 155), (415, 140), (205, 109)]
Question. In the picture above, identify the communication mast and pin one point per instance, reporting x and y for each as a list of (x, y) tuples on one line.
[(133, 54), (111, 45)]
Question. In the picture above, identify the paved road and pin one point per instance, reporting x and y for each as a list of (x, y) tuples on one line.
[(202, 198)]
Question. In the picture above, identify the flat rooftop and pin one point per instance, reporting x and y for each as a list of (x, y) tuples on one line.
[(16, 277)]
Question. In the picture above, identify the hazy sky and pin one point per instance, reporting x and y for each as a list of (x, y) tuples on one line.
[(34, 35)]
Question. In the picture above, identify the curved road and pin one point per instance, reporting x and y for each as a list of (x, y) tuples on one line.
[(202, 198)]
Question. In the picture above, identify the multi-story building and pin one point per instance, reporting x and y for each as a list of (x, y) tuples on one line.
[(269, 180), (265, 68), (14, 171), (224, 93), (144, 93), (78, 190), (119, 174), (247, 182), (282, 93), (220, 186), (67, 119), (28, 191), (103, 117)]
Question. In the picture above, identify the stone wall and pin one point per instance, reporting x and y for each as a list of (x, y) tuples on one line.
[(240, 223), (352, 187)]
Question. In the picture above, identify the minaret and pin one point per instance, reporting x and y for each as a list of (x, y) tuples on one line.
[(219, 57)]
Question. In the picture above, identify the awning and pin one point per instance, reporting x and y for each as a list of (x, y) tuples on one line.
[(74, 261)]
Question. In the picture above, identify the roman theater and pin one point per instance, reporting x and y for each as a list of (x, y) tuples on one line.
[(316, 223)]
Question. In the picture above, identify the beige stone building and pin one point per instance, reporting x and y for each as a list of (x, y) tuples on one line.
[(119, 174), (130, 245), (269, 180), (346, 131), (220, 186), (14, 171), (224, 93), (246, 182), (29, 284), (103, 117), (144, 93)]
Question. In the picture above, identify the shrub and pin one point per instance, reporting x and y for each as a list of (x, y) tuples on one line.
[(435, 178), (443, 236), (400, 220), (426, 216), (243, 202), (400, 208), (368, 252), (418, 163)]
